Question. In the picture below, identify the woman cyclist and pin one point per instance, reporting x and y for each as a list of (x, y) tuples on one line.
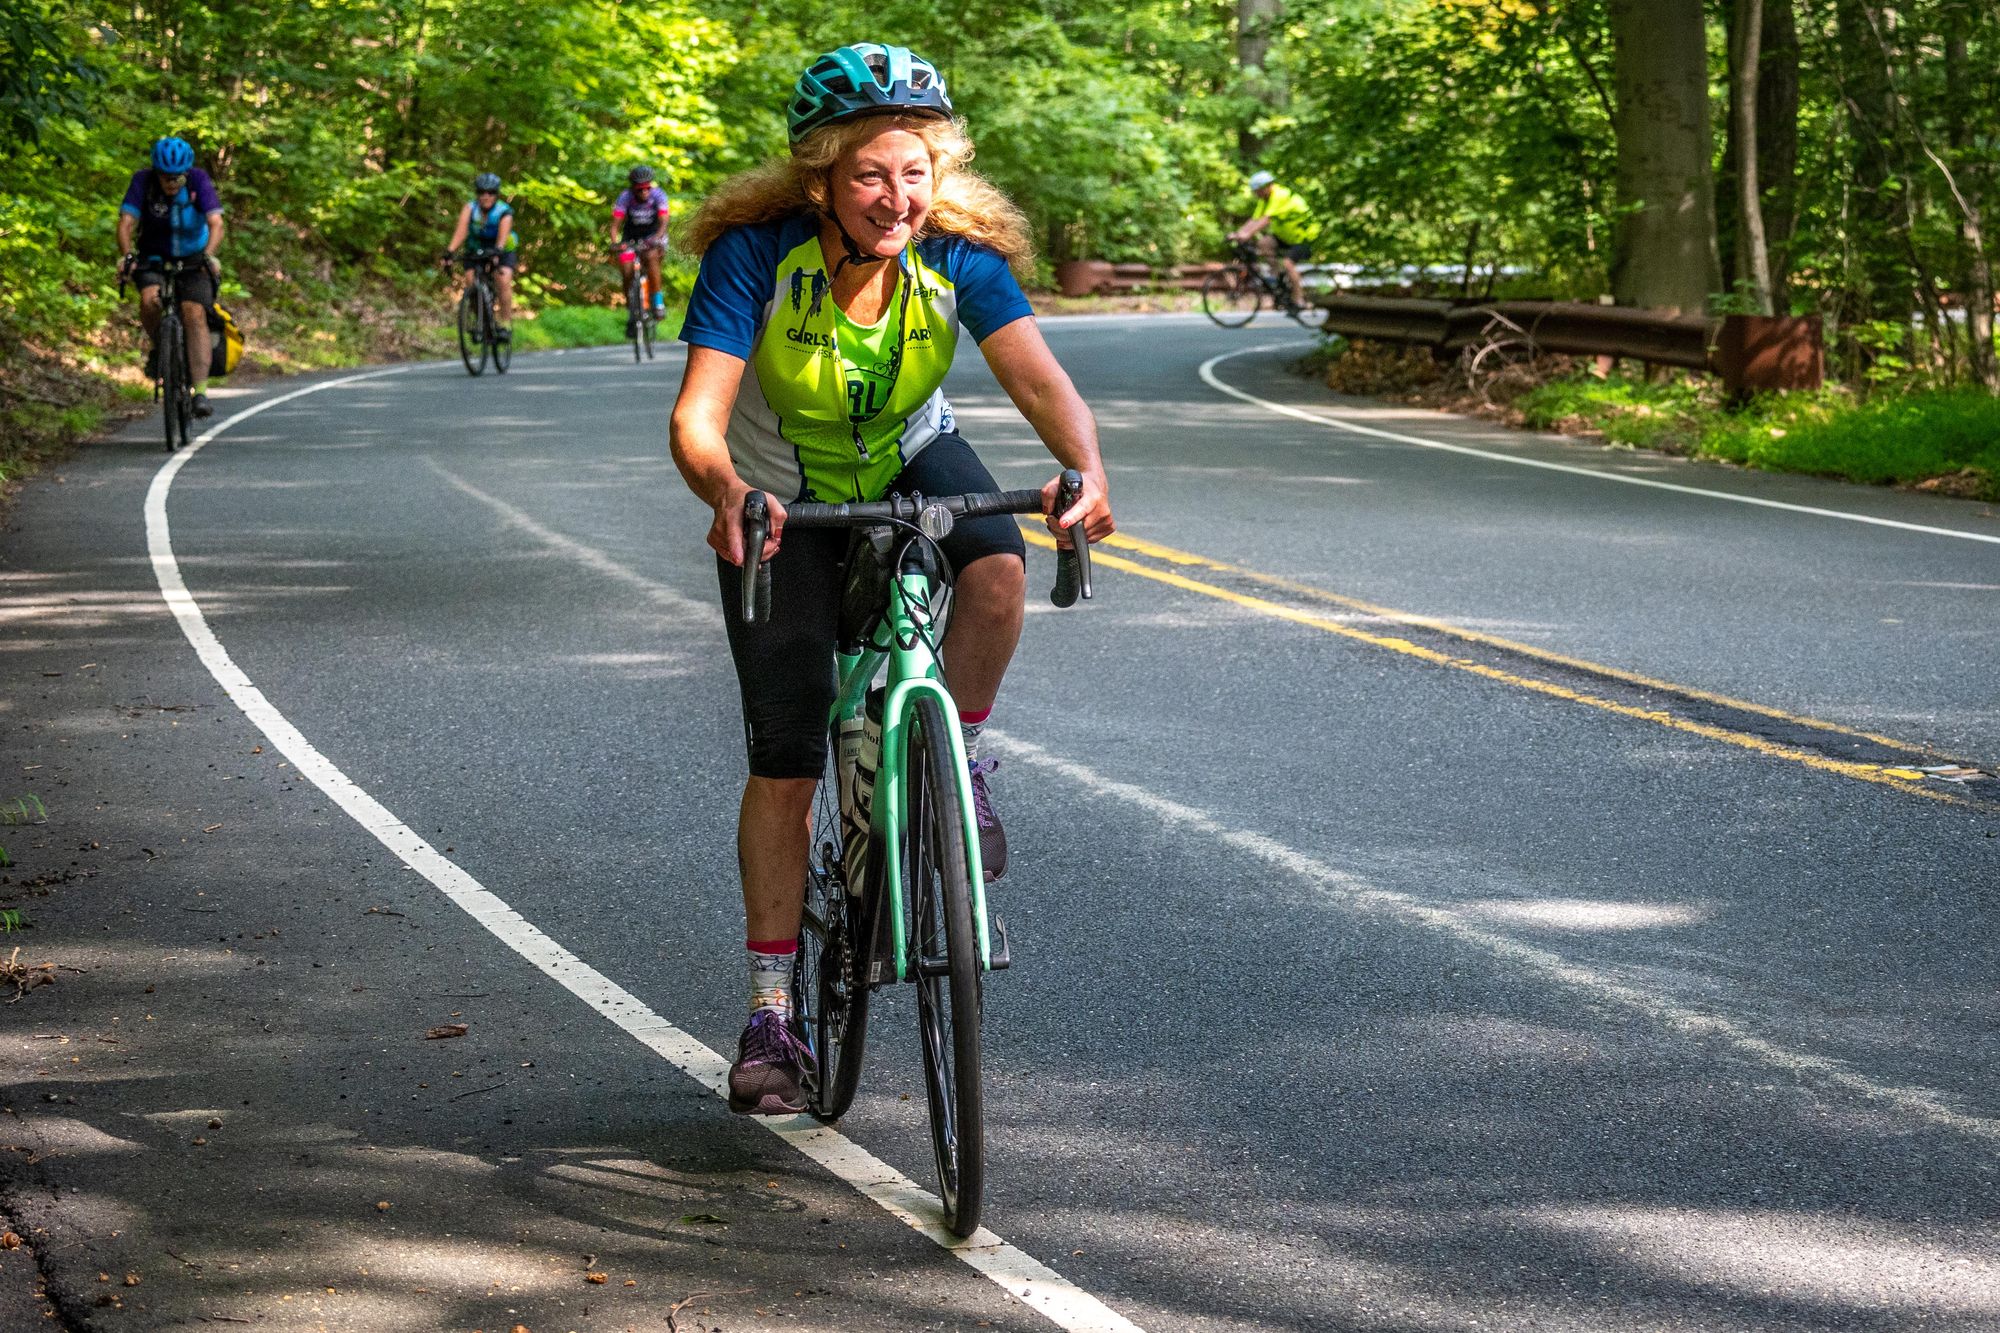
[(489, 224), (834, 284), (639, 230)]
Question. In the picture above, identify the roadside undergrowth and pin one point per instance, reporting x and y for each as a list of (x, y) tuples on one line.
[(55, 396), (1941, 441)]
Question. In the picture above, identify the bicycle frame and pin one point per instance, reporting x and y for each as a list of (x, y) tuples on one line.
[(913, 672)]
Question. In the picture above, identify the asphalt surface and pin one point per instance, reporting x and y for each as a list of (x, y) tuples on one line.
[(1367, 977)]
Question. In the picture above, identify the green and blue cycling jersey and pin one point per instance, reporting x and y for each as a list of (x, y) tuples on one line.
[(830, 410), (482, 226)]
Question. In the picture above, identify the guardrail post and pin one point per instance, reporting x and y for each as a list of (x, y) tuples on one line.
[(1761, 353)]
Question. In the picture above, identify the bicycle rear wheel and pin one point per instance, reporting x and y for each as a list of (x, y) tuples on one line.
[(647, 326), (829, 980), (503, 349), (947, 963), (1230, 298), (471, 340)]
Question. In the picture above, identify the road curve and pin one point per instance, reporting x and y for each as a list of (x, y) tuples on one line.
[(1447, 891)]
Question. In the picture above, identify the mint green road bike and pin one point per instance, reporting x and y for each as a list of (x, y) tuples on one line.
[(894, 886)]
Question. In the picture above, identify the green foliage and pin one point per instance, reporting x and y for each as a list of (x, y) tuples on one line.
[(584, 326), (1432, 127), (1646, 414), (1109, 125), (1901, 438)]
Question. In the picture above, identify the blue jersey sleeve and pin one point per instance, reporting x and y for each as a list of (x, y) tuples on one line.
[(731, 291), (206, 201), (988, 297)]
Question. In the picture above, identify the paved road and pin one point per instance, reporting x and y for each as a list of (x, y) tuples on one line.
[(1448, 892)]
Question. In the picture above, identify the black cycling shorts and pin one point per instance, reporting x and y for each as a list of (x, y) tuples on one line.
[(196, 284), (507, 258), (1296, 253), (784, 664)]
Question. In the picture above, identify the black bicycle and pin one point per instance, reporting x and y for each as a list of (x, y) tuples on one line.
[(478, 328), (894, 886), (173, 382), (640, 318), (1233, 296)]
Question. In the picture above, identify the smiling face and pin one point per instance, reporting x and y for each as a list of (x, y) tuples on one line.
[(880, 190)]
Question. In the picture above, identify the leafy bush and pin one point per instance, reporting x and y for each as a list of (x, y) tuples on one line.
[(583, 326), (1902, 438)]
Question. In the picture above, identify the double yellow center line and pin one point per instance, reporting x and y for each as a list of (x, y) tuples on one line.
[(1164, 564)]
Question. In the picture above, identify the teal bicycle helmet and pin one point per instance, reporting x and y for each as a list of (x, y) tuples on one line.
[(865, 79)]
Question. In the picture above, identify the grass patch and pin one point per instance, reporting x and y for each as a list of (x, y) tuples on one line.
[(1943, 440), (584, 326)]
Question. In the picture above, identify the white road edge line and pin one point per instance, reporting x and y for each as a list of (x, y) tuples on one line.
[(1350, 890), (1209, 377), (1023, 1277)]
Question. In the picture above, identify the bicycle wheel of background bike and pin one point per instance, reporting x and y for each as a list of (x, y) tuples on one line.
[(936, 867), (1230, 298), (471, 345), (173, 383), (827, 979), (503, 352), (635, 311), (646, 328)]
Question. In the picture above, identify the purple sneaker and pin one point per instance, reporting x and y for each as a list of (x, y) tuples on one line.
[(992, 838), (768, 1077)]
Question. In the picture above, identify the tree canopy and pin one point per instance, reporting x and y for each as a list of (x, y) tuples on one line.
[(1581, 146)]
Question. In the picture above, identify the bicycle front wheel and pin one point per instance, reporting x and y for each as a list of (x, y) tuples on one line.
[(635, 312), (1231, 298), (646, 327), (503, 348), (829, 979), (947, 963), (175, 409), (471, 342)]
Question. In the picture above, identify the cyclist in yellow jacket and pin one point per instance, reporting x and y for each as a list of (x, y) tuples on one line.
[(1290, 223)]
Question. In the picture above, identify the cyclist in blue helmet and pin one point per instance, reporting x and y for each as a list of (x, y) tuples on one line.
[(486, 227), (836, 285), (171, 211)]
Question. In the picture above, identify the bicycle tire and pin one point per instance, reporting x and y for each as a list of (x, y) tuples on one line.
[(648, 324), (829, 983), (946, 964), (502, 351), (173, 380), (1230, 300), (469, 331), (635, 314)]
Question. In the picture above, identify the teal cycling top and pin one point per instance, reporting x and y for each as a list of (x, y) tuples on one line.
[(819, 417), (483, 225)]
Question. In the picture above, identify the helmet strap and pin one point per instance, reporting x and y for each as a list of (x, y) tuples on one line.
[(854, 254)]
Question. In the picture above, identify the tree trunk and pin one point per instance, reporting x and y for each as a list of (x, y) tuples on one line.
[(1753, 257), (1665, 258), (1256, 22), (1778, 141), (1978, 278), (1883, 287)]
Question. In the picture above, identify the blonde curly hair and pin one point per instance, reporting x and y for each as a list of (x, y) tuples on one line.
[(963, 203)]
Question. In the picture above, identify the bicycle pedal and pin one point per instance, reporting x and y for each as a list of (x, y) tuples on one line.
[(997, 933)]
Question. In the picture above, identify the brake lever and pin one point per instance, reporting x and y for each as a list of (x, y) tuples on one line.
[(1072, 565), (756, 575)]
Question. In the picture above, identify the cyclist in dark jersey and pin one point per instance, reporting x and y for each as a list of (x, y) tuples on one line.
[(835, 286), (171, 212), (486, 227), (639, 228)]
